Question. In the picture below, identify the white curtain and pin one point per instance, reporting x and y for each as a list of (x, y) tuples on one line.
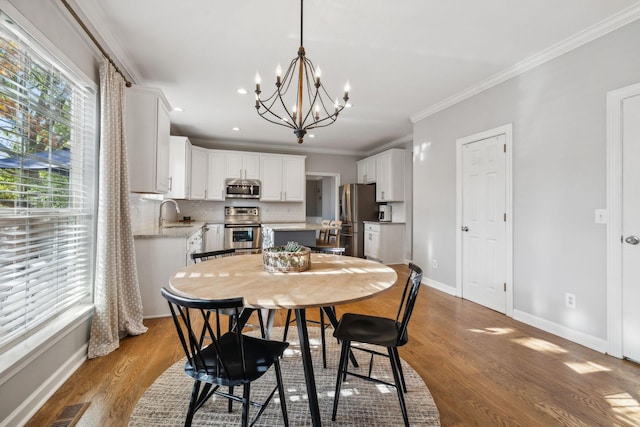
[(118, 306)]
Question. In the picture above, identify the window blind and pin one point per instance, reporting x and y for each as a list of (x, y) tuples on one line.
[(47, 185)]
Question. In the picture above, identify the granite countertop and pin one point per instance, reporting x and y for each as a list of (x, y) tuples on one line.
[(382, 222), (170, 229), (293, 226)]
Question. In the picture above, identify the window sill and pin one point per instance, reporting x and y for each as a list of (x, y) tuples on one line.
[(20, 355)]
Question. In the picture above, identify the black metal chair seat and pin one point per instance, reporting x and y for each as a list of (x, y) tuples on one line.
[(259, 355), (370, 330)]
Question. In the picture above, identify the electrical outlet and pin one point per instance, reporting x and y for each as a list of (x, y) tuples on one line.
[(570, 300), (434, 263)]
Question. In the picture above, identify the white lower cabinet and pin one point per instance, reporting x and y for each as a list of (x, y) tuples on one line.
[(157, 259), (213, 237), (384, 242)]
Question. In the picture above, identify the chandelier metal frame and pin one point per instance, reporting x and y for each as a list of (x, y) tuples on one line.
[(321, 110)]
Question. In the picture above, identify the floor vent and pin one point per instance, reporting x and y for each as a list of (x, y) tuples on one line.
[(70, 415)]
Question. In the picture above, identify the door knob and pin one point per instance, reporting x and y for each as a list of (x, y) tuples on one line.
[(632, 240), (465, 228)]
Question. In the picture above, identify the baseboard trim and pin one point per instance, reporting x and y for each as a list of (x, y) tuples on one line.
[(23, 413), (451, 290), (589, 341)]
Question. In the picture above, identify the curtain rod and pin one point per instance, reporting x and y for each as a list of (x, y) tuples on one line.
[(93, 39)]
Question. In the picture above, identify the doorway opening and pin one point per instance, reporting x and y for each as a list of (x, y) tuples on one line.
[(322, 196)]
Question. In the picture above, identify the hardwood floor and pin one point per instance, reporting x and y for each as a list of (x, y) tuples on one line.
[(482, 368)]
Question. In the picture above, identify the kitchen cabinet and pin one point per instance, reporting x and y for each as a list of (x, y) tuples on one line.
[(157, 259), (179, 168), (148, 140), (390, 176), (207, 174), (215, 175), (384, 242), (367, 171), (199, 170), (242, 165), (213, 237), (282, 177)]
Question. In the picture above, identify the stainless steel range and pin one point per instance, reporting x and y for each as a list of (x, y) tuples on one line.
[(242, 230)]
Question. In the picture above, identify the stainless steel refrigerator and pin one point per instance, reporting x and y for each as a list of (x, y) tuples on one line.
[(357, 204)]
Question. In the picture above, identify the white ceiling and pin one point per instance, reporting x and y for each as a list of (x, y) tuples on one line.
[(403, 59)]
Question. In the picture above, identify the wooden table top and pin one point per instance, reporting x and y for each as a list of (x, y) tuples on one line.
[(331, 280)]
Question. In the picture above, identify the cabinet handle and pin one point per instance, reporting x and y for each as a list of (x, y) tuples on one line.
[(383, 195), (170, 184), (205, 193)]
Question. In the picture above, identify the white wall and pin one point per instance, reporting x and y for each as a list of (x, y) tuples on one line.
[(559, 179)]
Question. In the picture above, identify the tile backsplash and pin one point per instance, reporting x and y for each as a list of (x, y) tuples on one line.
[(145, 210)]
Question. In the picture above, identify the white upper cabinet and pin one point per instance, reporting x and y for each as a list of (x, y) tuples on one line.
[(148, 139), (390, 176), (199, 172), (207, 174), (367, 170), (215, 175), (282, 178), (242, 165), (179, 168)]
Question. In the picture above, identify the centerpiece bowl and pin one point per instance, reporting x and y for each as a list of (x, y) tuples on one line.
[(291, 257)]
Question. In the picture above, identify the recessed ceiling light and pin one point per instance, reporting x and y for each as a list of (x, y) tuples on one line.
[(242, 91), (178, 109), (236, 129), (312, 135), (348, 105)]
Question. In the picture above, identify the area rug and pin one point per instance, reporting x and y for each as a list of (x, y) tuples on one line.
[(362, 403)]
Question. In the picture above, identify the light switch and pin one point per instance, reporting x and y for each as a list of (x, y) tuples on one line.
[(601, 216)]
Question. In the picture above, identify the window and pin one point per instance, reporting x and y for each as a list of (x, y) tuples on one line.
[(47, 186)]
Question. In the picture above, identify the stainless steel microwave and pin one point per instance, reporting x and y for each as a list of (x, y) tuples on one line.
[(242, 189)]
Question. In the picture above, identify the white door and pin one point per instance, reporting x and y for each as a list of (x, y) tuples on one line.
[(484, 222), (631, 227)]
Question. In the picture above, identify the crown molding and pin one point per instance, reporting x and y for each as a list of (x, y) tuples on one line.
[(392, 144), (260, 147), (585, 36), (97, 21)]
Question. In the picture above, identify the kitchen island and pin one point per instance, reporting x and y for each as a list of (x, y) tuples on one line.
[(278, 234)]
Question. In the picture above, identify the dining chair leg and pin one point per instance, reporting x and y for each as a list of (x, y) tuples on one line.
[(230, 409), (193, 403), (245, 404), (398, 383), (323, 339), (286, 325), (342, 368), (399, 363), (281, 395)]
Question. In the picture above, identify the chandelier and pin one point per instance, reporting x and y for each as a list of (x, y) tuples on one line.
[(301, 79)]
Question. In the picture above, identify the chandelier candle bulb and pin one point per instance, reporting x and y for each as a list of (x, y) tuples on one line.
[(258, 80), (278, 75), (318, 74)]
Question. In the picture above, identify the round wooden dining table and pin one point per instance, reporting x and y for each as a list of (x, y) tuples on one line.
[(331, 280)]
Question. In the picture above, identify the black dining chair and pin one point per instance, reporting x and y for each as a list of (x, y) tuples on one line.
[(379, 331), (206, 256), (229, 359), (331, 250)]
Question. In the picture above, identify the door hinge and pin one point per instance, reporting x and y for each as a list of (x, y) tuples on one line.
[(504, 217), (505, 286), (504, 147)]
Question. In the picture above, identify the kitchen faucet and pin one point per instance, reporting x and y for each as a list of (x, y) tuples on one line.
[(162, 204)]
